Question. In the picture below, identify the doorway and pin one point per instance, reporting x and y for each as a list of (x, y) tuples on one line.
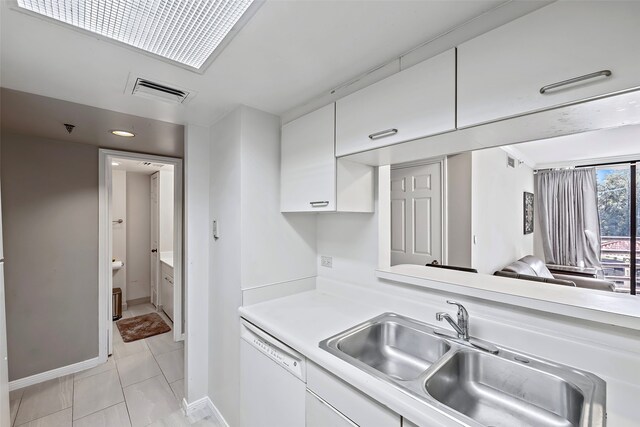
[(140, 251)]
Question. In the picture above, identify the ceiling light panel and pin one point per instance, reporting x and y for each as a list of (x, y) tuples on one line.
[(185, 31)]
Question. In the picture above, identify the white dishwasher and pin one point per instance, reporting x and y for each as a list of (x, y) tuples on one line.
[(272, 381)]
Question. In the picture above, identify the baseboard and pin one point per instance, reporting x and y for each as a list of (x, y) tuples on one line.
[(138, 301), (216, 413), (202, 408), (55, 373)]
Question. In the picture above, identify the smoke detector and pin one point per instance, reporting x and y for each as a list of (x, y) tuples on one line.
[(157, 90)]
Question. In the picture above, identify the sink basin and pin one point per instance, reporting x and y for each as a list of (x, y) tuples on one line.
[(392, 347), (465, 383), (498, 392)]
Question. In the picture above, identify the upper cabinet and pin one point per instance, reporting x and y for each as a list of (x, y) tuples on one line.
[(565, 52), (414, 103), (312, 179), (308, 164)]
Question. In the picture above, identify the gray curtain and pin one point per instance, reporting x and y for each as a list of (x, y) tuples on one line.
[(567, 210)]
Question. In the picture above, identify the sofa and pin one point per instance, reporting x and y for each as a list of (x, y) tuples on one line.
[(532, 268)]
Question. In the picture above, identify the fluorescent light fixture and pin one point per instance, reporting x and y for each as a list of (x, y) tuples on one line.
[(185, 31), (115, 164), (124, 133)]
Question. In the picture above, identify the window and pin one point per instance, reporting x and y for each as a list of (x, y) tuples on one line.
[(617, 206)]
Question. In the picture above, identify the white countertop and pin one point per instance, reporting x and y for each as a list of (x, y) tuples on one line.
[(303, 320), (167, 258)]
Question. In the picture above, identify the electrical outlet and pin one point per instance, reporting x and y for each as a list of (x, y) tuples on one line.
[(326, 261)]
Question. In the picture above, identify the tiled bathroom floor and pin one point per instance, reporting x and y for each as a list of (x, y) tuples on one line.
[(141, 384)]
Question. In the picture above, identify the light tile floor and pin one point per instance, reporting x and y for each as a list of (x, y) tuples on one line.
[(141, 384)]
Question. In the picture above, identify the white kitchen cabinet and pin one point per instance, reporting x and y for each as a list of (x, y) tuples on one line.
[(166, 289), (502, 73), (345, 401), (414, 103), (312, 179), (319, 413)]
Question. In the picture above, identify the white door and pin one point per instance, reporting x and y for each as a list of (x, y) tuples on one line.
[(416, 214), (155, 231)]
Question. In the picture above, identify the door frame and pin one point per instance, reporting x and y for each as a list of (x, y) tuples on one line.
[(105, 239), (156, 267)]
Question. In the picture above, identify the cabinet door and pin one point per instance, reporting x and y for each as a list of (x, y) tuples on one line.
[(502, 73), (356, 406), (308, 163), (164, 292), (414, 103), (167, 297), (319, 413)]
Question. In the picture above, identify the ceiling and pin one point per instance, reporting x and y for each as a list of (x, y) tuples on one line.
[(36, 115), (288, 53), (607, 145), (137, 166)]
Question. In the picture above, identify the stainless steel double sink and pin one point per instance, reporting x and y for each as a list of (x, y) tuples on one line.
[(470, 385)]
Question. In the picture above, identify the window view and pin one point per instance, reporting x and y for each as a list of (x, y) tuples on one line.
[(615, 211)]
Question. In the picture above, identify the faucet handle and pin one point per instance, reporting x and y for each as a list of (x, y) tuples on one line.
[(461, 308)]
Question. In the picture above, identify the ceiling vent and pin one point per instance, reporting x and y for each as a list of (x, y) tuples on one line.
[(145, 88), (151, 165)]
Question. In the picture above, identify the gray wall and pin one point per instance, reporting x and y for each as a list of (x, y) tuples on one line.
[(50, 222)]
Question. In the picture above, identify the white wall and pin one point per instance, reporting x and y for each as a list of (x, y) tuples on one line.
[(166, 206), (197, 261), (225, 277), (119, 240), (459, 179), (275, 247), (258, 246), (497, 210), (138, 236)]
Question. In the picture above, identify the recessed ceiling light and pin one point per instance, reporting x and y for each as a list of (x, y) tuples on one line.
[(184, 31), (124, 133), (115, 164)]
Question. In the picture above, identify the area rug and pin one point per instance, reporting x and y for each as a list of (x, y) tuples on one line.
[(140, 327)]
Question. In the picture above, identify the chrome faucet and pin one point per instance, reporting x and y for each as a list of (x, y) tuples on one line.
[(462, 326)]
